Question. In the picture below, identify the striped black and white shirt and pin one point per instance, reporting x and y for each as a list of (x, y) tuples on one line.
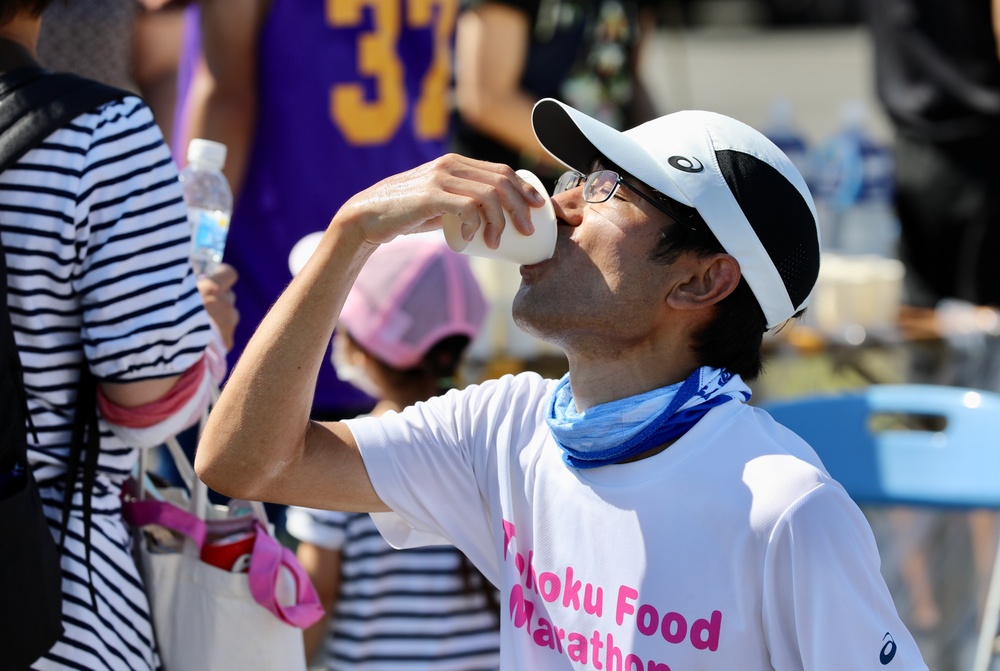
[(400, 609), (97, 243)]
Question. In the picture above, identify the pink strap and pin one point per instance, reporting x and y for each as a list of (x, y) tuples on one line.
[(141, 513), (266, 560), (265, 563)]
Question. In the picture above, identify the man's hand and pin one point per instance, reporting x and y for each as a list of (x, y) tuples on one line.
[(220, 300), (413, 201)]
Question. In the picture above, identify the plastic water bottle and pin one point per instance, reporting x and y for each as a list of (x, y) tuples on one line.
[(209, 203), (853, 184)]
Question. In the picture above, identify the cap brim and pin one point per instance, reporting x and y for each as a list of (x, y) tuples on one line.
[(577, 140)]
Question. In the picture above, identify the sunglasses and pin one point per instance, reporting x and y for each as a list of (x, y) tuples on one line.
[(599, 186)]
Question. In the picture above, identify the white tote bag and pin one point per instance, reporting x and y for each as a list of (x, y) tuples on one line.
[(206, 617)]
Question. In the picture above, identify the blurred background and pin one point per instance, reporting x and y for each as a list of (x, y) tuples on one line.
[(739, 57)]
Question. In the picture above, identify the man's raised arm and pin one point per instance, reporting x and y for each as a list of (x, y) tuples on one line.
[(259, 442)]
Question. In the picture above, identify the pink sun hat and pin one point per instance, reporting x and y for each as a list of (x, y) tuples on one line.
[(412, 293)]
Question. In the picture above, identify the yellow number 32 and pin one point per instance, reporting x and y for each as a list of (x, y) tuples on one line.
[(369, 122)]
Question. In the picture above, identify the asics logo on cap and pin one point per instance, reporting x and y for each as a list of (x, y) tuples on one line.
[(685, 164)]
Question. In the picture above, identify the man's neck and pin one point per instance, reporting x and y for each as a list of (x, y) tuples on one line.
[(23, 30), (595, 382)]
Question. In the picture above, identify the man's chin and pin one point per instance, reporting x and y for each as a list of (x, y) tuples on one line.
[(532, 322)]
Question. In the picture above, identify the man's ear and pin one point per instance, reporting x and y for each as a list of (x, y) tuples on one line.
[(709, 279)]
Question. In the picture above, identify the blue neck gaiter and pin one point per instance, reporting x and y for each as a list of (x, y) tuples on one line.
[(611, 432)]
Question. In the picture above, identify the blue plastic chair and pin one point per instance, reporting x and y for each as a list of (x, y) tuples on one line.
[(954, 464)]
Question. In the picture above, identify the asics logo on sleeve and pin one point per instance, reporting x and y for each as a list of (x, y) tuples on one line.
[(888, 650)]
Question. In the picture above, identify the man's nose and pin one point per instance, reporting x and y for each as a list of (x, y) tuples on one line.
[(568, 206)]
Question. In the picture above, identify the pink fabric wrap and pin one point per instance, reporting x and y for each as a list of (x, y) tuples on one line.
[(142, 416), (194, 386)]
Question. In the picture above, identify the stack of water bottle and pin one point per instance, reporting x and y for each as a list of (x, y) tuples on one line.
[(850, 175)]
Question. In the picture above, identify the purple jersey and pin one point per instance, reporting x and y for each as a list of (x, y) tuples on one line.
[(351, 92)]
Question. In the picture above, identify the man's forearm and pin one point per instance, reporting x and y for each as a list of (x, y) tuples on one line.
[(260, 424)]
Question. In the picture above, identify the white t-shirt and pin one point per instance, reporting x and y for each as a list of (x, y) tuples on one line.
[(732, 549)]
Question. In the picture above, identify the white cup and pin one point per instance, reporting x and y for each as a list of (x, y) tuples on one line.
[(514, 246)]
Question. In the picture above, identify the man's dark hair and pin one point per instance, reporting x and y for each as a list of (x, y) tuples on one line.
[(733, 339), (10, 8)]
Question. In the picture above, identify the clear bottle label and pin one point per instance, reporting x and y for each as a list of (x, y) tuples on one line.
[(208, 238)]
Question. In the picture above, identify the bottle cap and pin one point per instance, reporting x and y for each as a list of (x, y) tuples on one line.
[(514, 247), (207, 152)]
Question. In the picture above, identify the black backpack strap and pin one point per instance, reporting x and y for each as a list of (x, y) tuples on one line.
[(37, 102), (15, 416), (85, 446)]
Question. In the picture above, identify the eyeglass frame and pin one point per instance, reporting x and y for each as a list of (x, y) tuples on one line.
[(687, 220)]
